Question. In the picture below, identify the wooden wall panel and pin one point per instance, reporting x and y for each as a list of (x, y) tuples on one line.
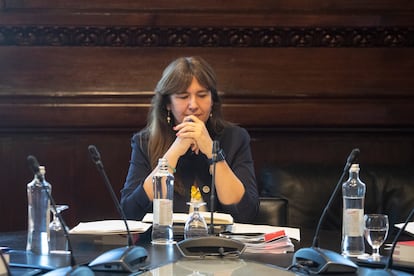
[(274, 72), (77, 182), (310, 81)]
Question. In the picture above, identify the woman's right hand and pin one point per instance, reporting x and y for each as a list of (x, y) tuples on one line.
[(181, 146)]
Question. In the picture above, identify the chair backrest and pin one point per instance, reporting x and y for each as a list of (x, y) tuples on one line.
[(272, 211), (308, 187)]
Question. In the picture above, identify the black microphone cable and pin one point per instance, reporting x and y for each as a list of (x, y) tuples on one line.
[(215, 149), (4, 261), (351, 159), (394, 242), (96, 158)]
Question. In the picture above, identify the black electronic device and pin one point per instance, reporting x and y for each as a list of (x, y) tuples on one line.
[(123, 259), (73, 269), (210, 246), (319, 261)]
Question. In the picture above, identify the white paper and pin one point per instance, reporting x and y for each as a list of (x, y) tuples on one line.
[(240, 228), (278, 246), (219, 218), (109, 227), (409, 228)]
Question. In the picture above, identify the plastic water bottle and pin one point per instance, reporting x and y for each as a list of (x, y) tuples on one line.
[(163, 185), (353, 193), (38, 215)]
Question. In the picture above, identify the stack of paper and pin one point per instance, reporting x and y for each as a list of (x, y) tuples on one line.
[(181, 218), (409, 229), (242, 228), (271, 243), (404, 253), (276, 246), (109, 227)]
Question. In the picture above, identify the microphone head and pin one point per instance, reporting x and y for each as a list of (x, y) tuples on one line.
[(353, 156), (33, 164), (94, 153)]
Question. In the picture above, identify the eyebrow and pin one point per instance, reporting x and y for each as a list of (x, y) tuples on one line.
[(199, 91)]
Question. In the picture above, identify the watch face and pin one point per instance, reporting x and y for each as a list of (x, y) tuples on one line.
[(206, 189)]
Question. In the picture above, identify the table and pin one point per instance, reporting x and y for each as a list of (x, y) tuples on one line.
[(167, 257)]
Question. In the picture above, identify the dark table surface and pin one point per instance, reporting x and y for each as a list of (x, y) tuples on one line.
[(87, 248)]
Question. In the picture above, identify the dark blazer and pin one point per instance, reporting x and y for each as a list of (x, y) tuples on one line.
[(234, 140)]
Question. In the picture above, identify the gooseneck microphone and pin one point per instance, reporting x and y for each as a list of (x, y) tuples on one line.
[(124, 259), (216, 146), (351, 159), (96, 157), (73, 269), (211, 246), (317, 260)]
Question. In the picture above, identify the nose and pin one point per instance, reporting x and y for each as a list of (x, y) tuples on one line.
[(193, 105)]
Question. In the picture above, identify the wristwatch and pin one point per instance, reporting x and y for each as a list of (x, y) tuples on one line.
[(220, 157)]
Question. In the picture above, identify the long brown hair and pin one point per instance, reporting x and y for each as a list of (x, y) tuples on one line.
[(176, 78)]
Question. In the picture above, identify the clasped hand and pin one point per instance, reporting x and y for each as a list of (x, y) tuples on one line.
[(192, 133)]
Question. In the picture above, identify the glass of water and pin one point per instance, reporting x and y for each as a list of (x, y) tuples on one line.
[(195, 225), (376, 228), (58, 243)]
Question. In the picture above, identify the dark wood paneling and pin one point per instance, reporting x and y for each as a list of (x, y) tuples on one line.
[(76, 181), (309, 80), (231, 5), (277, 72), (69, 169), (208, 13), (288, 113)]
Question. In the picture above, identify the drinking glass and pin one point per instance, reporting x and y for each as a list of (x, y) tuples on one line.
[(57, 242), (195, 226), (376, 228)]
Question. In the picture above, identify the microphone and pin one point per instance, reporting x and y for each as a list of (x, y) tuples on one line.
[(211, 246), (124, 259), (216, 146), (318, 260), (73, 269), (35, 167)]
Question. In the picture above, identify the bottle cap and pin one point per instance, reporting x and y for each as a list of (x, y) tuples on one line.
[(354, 168), (42, 170)]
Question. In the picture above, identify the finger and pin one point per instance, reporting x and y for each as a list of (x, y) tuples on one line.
[(195, 148), (183, 125), (187, 132), (191, 118)]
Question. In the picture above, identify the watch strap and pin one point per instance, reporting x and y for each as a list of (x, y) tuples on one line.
[(220, 157)]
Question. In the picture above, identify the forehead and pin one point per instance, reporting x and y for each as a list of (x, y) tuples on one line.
[(194, 87)]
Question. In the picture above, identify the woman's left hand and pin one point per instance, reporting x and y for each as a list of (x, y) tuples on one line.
[(194, 128)]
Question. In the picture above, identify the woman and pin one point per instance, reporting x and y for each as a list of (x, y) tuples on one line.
[(184, 119)]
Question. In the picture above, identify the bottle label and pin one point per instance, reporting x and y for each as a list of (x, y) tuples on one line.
[(162, 213), (353, 222)]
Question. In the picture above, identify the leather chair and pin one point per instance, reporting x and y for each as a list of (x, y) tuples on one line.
[(272, 211), (307, 187)]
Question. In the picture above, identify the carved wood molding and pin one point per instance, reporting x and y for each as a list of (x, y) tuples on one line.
[(260, 37)]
